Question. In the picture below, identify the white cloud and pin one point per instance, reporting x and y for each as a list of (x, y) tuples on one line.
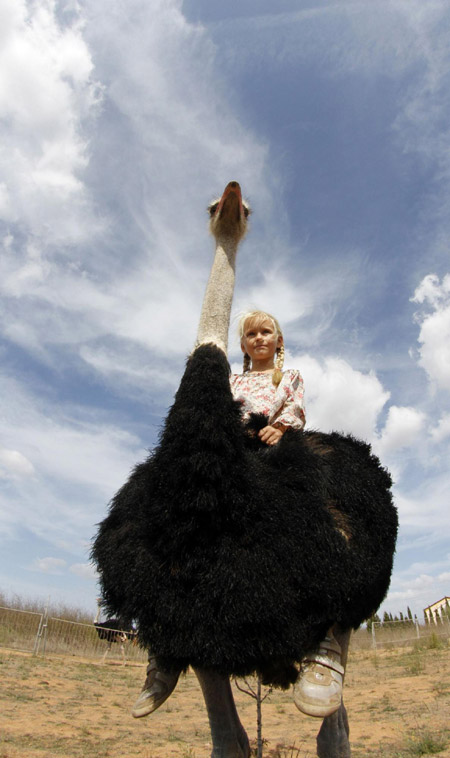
[(76, 451), (305, 303), (279, 294), (425, 568), (419, 583), (338, 397), (49, 565), (435, 328), (13, 463), (348, 36), (403, 425), (424, 508), (417, 588), (45, 92), (442, 430), (79, 460), (430, 290), (84, 570), (130, 372)]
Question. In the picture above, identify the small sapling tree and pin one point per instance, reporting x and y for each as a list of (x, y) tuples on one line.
[(256, 693)]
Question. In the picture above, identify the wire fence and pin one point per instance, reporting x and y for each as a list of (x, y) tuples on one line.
[(19, 629), (407, 632), (42, 634)]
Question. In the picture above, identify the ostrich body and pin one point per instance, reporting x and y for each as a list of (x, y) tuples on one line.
[(237, 557), (113, 631)]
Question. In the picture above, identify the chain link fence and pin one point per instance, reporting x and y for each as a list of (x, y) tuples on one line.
[(41, 634)]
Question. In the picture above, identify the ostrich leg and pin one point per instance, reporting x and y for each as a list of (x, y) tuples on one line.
[(332, 740), (229, 738)]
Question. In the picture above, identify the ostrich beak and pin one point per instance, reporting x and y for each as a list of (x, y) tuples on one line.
[(230, 204), (229, 214)]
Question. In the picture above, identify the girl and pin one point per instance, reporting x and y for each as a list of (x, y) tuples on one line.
[(264, 388)]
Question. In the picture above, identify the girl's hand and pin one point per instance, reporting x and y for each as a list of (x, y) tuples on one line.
[(270, 435)]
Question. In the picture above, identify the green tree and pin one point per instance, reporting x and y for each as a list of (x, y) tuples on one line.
[(374, 619)]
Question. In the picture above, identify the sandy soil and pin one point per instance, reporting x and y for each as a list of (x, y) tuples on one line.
[(398, 704)]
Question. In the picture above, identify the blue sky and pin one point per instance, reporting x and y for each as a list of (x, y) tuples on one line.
[(119, 123)]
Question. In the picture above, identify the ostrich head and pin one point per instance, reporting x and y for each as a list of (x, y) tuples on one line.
[(229, 214)]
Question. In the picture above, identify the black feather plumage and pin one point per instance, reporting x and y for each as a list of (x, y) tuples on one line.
[(238, 557)]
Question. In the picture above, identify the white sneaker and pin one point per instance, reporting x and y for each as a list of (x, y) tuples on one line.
[(318, 689)]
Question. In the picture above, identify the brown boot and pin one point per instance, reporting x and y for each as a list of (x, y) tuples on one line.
[(158, 686)]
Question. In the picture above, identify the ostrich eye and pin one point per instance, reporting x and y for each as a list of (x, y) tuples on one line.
[(212, 208), (246, 212)]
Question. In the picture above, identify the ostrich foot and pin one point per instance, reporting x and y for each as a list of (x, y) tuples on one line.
[(333, 737), (158, 686), (230, 749)]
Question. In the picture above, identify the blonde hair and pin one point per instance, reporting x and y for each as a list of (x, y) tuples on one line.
[(258, 317)]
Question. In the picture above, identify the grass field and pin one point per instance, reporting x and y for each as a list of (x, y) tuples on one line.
[(398, 703)]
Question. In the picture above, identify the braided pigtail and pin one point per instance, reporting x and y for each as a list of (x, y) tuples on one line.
[(247, 362), (277, 373)]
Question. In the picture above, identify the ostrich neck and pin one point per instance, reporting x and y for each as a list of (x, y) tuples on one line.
[(216, 310)]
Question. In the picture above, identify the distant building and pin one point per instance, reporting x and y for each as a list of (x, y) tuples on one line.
[(438, 611)]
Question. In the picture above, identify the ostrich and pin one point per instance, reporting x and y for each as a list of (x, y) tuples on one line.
[(112, 630), (237, 558)]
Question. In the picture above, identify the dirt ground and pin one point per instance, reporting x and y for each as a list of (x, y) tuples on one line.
[(398, 704)]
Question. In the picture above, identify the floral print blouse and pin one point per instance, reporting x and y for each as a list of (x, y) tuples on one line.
[(282, 404)]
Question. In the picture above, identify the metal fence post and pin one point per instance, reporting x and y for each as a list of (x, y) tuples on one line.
[(374, 639), (37, 641), (42, 631)]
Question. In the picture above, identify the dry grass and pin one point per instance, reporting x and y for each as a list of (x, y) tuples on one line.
[(398, 703), (59, 610)]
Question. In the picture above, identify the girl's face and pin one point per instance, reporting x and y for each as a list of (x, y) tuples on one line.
[(260, 340)]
